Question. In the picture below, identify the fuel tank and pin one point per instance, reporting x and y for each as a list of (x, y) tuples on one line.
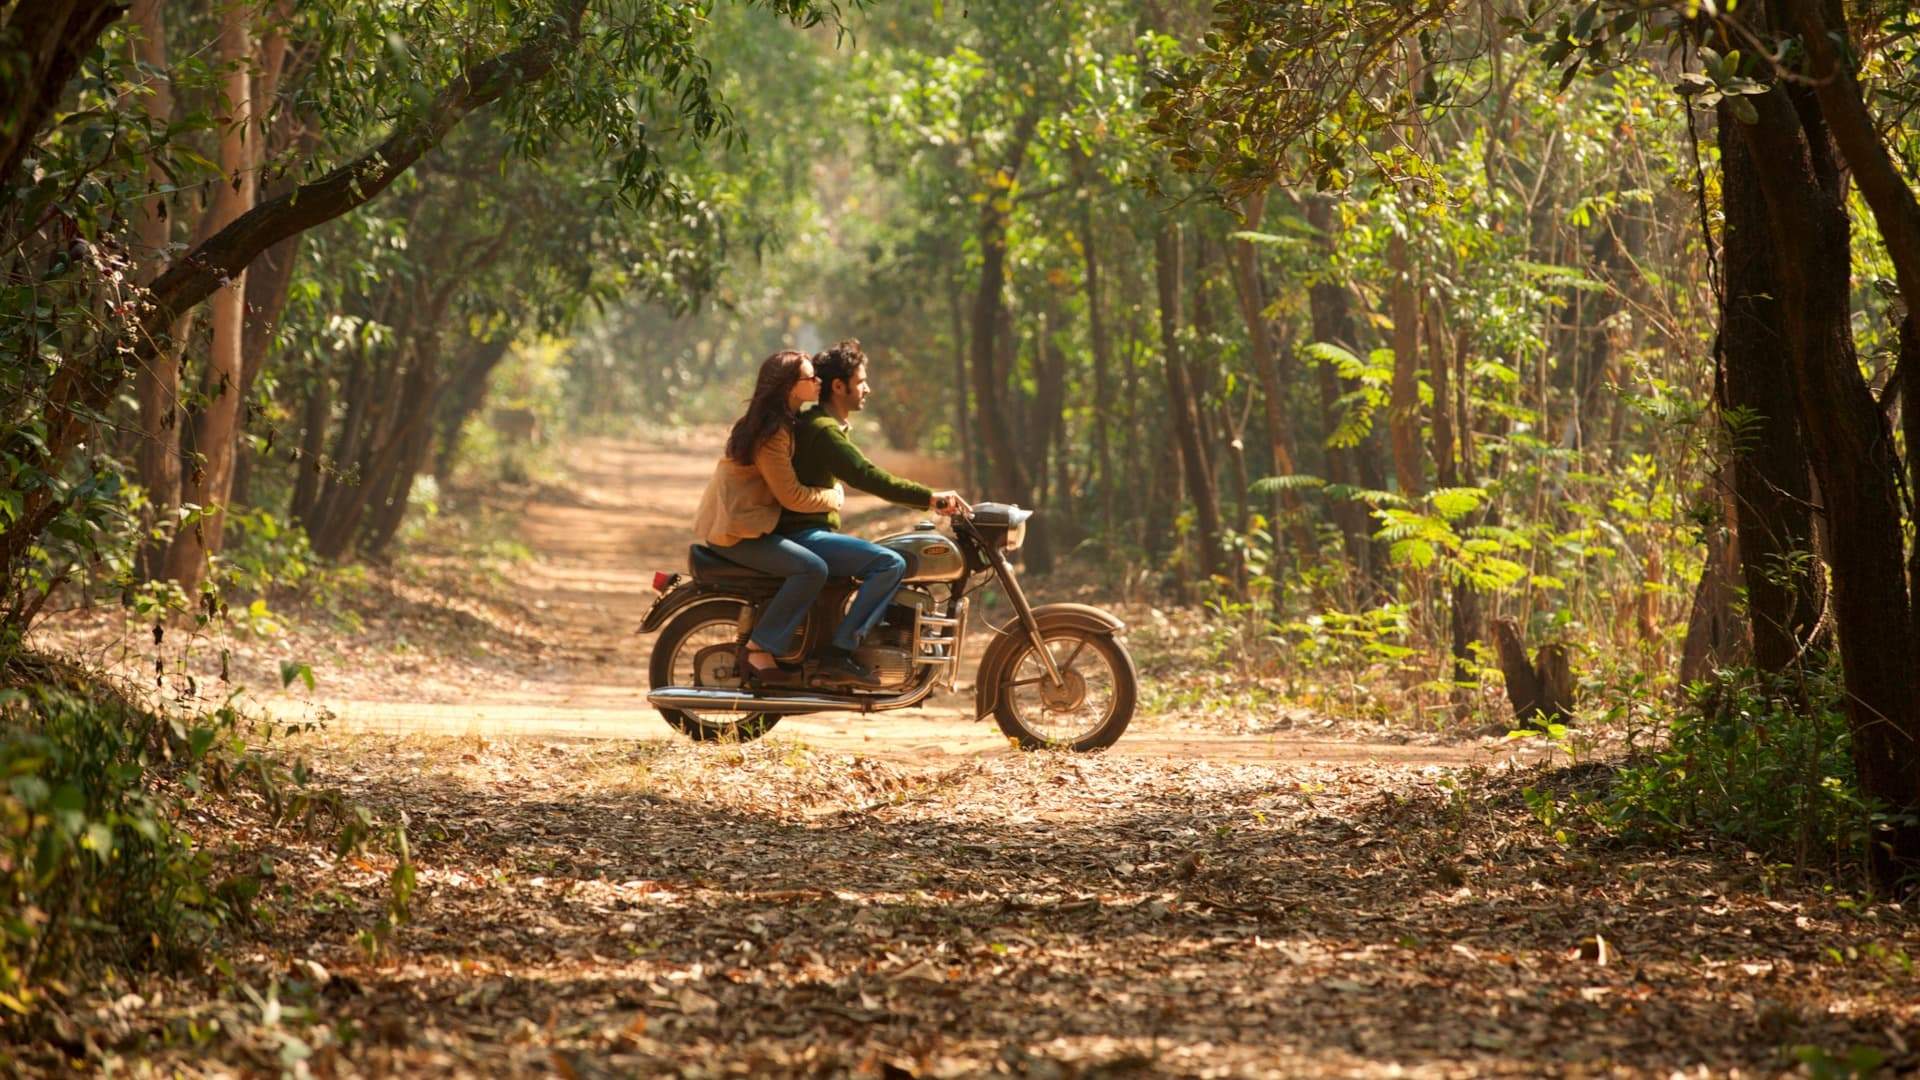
[(930, 555)]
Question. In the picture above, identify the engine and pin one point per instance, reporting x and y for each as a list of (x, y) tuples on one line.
[(888, 648)]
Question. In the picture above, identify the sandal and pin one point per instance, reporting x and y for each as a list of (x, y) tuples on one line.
[(777, 675)]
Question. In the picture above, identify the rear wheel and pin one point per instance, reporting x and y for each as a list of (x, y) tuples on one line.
[(1088, 709), (697, 649)]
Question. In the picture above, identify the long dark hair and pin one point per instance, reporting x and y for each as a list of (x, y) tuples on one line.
[(768, 410)]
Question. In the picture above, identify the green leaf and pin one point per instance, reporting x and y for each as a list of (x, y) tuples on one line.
[(1451, 503), (1267, 485), (294, 669), (32, 791)]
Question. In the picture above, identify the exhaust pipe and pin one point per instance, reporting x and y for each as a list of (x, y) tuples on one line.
[(716, 699)]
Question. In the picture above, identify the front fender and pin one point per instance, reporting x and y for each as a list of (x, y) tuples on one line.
[(1006, 645)]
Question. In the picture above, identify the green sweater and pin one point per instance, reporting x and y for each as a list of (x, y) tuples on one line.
[(823, 455)]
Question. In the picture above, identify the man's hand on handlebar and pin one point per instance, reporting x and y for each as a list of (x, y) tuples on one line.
[(950, 503)]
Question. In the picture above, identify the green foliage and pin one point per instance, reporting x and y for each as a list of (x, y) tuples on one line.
[(93, 858), (1351, 656), (1762, 761), (94, 864)]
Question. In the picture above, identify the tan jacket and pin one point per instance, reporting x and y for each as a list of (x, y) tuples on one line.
[(744, 501)]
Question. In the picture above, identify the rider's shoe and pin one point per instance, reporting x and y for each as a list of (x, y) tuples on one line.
[(839, 667), (777, 677)]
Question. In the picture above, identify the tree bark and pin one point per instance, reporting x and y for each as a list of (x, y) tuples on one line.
[(1857, 135), (1541, 689), (1851, 450), (1716, 636), (1910, 427), (211, 483), (1332, 320), (1403, 406), (1184, 417), (997, 442), (1102, 363), (314, 418), (962, 421), (465, 396), (1273, 372), (1464, 603), (1772, 499), (157, 382), (390, 480)]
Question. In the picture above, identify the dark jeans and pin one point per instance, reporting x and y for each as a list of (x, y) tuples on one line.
[(805, 572), (879, 570)]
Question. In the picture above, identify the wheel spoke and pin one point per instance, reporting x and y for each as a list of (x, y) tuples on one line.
[(1067, 664)]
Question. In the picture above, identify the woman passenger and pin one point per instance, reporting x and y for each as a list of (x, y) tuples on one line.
[(742, 505)]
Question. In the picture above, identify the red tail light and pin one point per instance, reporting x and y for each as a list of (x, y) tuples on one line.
[(662, 580)]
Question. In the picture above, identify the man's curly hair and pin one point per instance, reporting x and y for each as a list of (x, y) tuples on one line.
[(843, 361)]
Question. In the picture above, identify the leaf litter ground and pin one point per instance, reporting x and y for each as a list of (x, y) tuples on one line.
[(587, 909)]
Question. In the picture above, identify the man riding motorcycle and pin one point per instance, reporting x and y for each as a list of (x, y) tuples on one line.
[(824, 454)]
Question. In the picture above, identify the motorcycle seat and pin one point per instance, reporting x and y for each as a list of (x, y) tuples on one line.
[(706, 564)]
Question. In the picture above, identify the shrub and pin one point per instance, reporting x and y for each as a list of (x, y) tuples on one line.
[(1762, 760), (93, 866), (90, 858)]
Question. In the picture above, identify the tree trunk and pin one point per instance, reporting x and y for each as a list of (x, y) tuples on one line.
[(1857, 135), (1044, 430), (390, 480), (1716, 636), (1333, 324), (1102, 364), (1273, 371), (997, 443), (1596, 332), (1910, 427), (1403, 407), (1464, 603), (1541, 689), (314, 418), (1853, 459), (962, 422), (464, 397), (1772, 500), (1203, 382), (209, 485), (1184, 417), (157, 383)]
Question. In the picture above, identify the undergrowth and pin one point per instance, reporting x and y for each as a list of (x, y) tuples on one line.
[(1763, 761), (99, 864)]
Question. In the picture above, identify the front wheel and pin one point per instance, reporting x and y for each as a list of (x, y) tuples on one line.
[(1088, 709), (697, 648)]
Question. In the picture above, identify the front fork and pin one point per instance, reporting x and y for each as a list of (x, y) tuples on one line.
[(1018, 598)]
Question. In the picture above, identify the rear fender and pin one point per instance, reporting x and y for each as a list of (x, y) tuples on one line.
[(678, 598), (1006, 645)]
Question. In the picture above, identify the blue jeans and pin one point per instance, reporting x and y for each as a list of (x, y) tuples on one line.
[(805, 572), (879, 570)]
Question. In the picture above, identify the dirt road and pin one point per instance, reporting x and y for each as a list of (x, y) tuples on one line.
[(596, 542)]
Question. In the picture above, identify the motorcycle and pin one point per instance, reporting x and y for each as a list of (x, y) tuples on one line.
[(1053, 676)]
